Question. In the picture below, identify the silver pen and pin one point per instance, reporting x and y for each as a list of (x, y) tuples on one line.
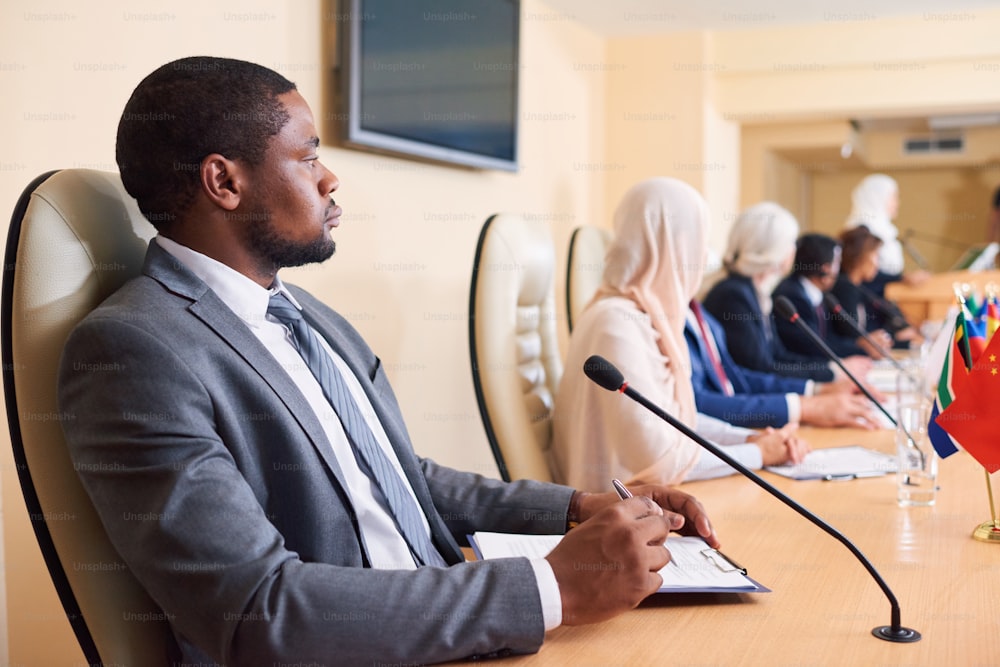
[(852, 475), (623, 493)]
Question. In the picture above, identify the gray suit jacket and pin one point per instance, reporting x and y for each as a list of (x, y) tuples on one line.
[(219, 488)]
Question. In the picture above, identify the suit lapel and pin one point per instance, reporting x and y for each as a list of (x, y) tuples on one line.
[(210, 309), (347, 343), (355, 356), (753, 300), (706, 360)]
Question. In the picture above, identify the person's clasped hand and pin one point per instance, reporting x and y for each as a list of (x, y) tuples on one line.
[(780, 446)]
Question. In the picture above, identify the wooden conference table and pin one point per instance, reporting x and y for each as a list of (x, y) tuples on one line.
[(823, 603), (932, 299)]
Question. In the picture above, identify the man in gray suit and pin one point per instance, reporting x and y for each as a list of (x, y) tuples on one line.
[(222, 473)]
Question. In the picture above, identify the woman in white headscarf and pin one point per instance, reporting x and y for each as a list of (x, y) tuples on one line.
[(636, 321), (759, 252), (874, 204)]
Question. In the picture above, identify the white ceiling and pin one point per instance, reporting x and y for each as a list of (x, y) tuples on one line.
[(625, 17)]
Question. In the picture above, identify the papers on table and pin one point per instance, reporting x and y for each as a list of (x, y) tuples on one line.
[(835, 463), (694, 567), (891, 406), (882, 377)]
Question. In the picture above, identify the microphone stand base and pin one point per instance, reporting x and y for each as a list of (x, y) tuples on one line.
[(901, 635)]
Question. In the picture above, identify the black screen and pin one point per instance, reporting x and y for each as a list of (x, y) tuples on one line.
[(441, 73)]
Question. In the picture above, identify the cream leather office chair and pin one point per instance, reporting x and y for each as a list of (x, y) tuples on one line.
[(75, 237), (584, 268), (516, 364)]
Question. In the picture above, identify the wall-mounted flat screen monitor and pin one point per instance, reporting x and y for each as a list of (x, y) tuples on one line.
[(435, 80)]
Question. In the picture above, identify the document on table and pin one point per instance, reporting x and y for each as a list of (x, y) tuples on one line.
[(694, 566), (883, 377), (839, 463)]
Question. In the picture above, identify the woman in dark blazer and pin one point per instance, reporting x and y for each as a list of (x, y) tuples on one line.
[(859, 263)]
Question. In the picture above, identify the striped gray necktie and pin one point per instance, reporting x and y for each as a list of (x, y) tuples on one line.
[(370, 456)]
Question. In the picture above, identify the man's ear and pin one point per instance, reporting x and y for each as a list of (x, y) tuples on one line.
[(222, 181)]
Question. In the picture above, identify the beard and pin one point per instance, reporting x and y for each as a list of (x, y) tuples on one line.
[(276, 252)]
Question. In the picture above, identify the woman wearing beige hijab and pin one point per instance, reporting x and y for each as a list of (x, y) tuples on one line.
[(636, 320)]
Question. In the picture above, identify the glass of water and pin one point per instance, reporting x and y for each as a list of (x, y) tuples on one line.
[(916, 476)]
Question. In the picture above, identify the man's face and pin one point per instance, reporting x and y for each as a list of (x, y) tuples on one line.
[(831, 270), (289, 213)]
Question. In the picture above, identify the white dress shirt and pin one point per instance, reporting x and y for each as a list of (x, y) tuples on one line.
[(733, 438)]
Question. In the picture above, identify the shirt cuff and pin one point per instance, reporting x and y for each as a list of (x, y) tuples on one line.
[(794, 402), (548, 591), (709, 466)]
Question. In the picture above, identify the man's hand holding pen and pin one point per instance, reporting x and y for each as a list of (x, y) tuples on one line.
[(683, 511), (610, 561)]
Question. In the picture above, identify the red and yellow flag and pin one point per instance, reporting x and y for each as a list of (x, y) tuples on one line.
[(971, 418)]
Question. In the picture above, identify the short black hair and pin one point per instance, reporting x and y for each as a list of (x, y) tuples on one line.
[(812, 252), (996, 198), (186, 110)]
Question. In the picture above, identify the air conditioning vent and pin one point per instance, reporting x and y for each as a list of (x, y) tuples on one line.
[(927, 145), (952, 145)]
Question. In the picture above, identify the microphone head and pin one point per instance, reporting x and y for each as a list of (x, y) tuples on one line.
[(831, 302), (603, 372), (784, 307)]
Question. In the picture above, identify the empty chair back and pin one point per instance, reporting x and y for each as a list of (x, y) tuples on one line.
[(516, 364)]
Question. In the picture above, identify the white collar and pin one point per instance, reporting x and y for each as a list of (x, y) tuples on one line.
[(241, 294)]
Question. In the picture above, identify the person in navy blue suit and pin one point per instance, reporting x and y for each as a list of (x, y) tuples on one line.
[(817, 265), (759, 252), (755, 399)]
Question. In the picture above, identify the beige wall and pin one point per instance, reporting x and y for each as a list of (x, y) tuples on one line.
[(765, 170), (946, 208), (597, 115), (794, 89), (854, 64), (661, 122)]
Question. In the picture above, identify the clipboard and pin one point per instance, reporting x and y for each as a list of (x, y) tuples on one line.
[(694, 567), (722, 561)]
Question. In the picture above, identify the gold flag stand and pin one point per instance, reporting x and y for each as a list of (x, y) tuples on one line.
[(988, 531)]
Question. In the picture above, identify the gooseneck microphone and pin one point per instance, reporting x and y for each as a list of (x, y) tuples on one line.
[(893, 317), (904, 241), (604, 373), (831, 302), (784, 308)]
